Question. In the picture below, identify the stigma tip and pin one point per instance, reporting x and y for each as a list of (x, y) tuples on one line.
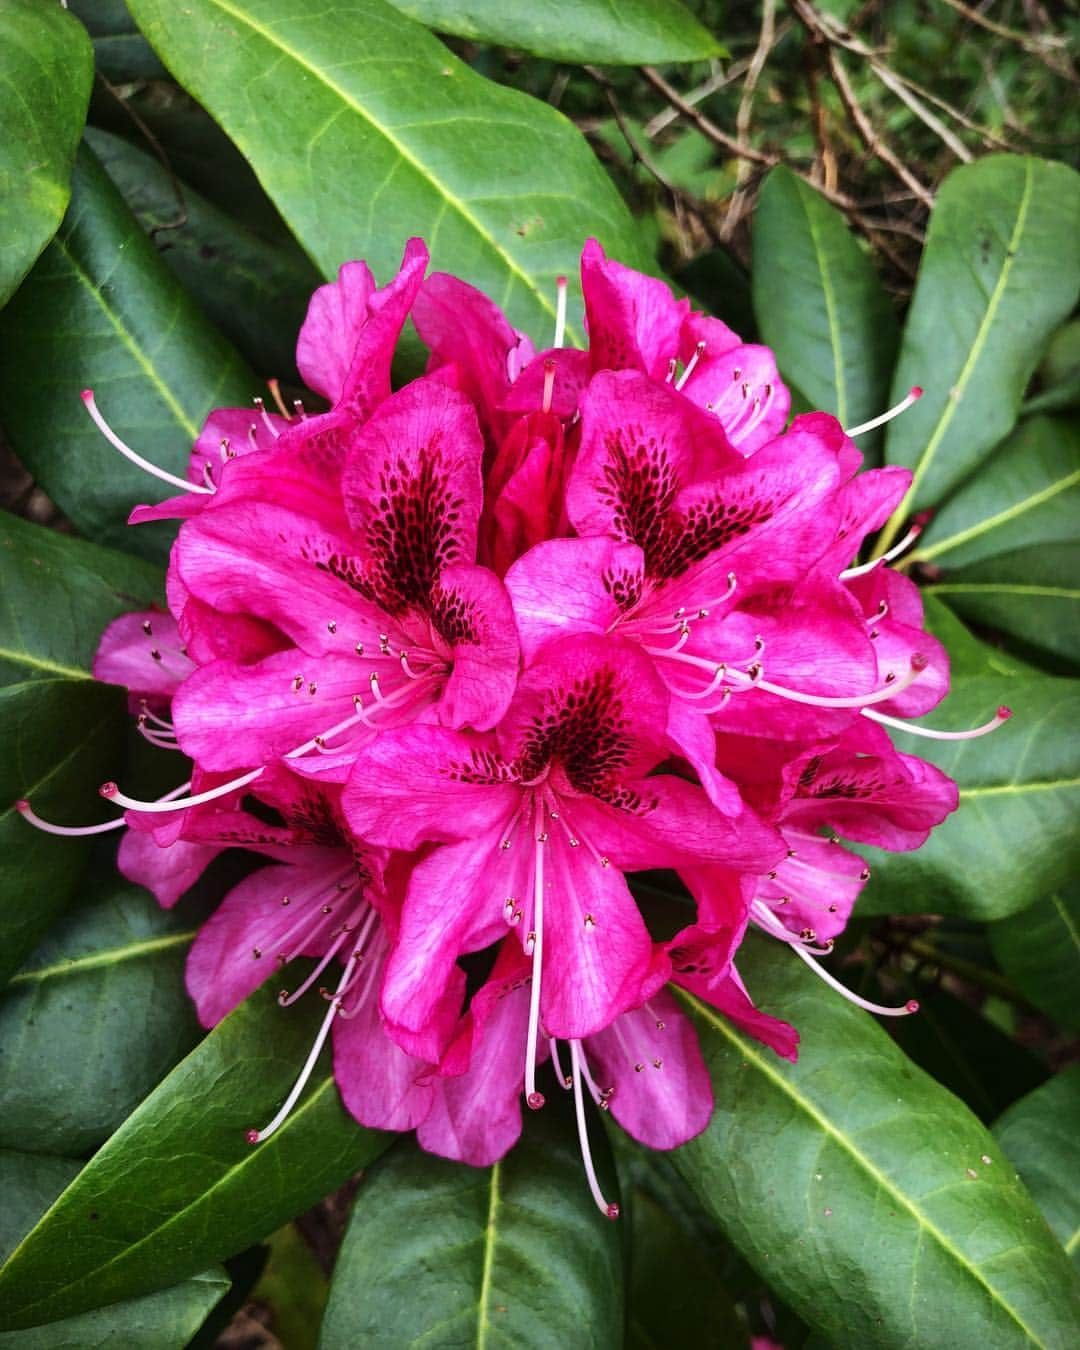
[(912, 1005), (1004, 713), (612, 1211), (534, 1101), (916, 391), (108, 790), (252, 1136)]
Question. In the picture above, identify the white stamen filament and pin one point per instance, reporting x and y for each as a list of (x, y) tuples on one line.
[(266, 421), (999, 719), (126, 450), (74, 831), (564, 1082), (610, 1211), (287, 1000), (894, 552), (549, 385), (765, 918), (691, 365), (533, 1098), (913, 396), (257, 1136), (761, 411), (560, 311)]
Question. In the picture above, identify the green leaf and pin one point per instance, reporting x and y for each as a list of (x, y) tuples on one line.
[(516, 1254), (868, 1196), (94, 1020), (1013, 838), (255, 292), (1039, 1136), (365, 129), (1059, 373), (819, 302), (29, 1185), (1039, 950), (1003, 549), (101, 309), (675, 1297), (58, 740), (59, 594), (1000, 271), (46, 67), (612, 32), (177, 1187), (293, 1289)]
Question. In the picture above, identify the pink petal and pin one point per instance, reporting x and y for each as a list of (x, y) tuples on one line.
[(572, 371), (650, 1056), (420, 783), (413, 490), (473, 614), (166, 872), (142, 652), (335, 318), (633, 320)]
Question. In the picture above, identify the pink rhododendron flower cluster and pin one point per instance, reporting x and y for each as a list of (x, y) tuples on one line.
[(482, 648)]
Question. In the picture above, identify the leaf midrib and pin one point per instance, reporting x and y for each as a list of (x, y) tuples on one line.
[(956, 393), (830, 312), (108, 956), (998, 518), (925, 1224), (483, 1323), (125, 1252), (448, 196)]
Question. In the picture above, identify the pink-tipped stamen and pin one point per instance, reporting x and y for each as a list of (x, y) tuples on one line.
[(998, 720), (878, 1009), (286, 1000), (258, 1136), (133, 455), (764, 918), (914, 394), (75, 831), (534, 1100), (560, 312), (549, 385), (691, 366), (882, 695), (112, 793), (611, 1211), (894, 552)]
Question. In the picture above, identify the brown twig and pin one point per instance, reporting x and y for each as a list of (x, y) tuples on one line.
[(156, 146), (766, 37), (865, 128), (1043, 46), (720, 138)]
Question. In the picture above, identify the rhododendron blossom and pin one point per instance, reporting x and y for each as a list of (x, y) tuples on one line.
[(453, 662)]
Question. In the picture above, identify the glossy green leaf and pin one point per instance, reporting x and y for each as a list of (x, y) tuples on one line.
[(446, 1254), (1039, 1136), (1039, 950), (676, 1297), (612, 32), (59, 593), (94, 1020), (58, 740), (255, 292), (177, 1186), (365, 129), (854, 1167), (1059, 373), (1013, 838), (29, 1185), (1002, 552), (1000, 271), (46, 67), (101, 309), (819, 303)]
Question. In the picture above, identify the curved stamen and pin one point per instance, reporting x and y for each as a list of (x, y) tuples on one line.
[(533, 1098), (286, 1000), (998, 720), (112, 793), (610, 1211), (75, 831), (914, 394), (761, 411), (275, 389), (257, 1136), (126, 450), (764, 918), (882, 695), (560, 312), (894, 552)]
